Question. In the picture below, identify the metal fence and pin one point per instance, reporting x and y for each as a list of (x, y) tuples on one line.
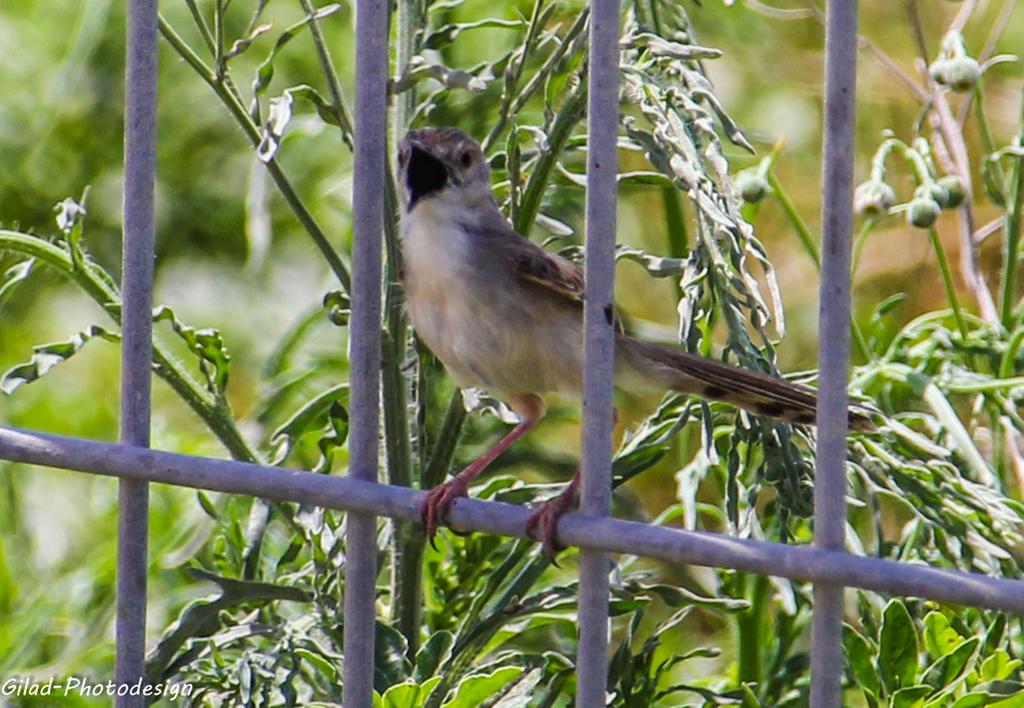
[(825, 563)]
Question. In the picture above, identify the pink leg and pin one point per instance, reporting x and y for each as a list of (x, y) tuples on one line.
[(546, 516), (435, 507)]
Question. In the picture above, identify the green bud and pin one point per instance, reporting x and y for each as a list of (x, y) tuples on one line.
[(873, 198), (922, 212), (751, 187), (934, 191), (954, 191), (959, 73)]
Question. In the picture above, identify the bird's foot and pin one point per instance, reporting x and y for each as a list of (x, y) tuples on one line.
[(434, 511), (545, 520)]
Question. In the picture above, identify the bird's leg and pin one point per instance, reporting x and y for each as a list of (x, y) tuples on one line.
[(545, 517), (434, 511)]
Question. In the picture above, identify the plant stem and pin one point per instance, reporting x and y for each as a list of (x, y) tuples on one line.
[(339, 105), (561, 127), (1008, 286), (807, 239), (407, 541), (675, 228), (947, 281), (802, 231), (749, 626), (165, 365), (252, 132)]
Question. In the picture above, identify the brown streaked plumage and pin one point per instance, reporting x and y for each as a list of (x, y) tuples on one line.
[(505, 315)]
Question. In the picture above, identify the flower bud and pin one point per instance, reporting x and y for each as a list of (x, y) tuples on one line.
[(873, 198), (934, 191), (751, 187), (958, 73), (922, 212), (954, 191)]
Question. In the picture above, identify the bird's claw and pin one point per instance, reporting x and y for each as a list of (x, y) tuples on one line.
[(434, 511), (545, 519)]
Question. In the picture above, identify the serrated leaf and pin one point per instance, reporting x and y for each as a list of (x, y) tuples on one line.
[(208, 346), (13, 277), (444, 36), (47, 356), (278, 117), (265, 71), (303, 419), (239, 46)]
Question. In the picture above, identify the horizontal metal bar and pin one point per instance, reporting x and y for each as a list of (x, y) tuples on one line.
[(604, 534)]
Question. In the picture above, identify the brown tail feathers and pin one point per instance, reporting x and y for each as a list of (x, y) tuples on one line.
[(673, 369)]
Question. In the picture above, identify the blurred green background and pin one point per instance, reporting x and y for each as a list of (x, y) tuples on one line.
[(231, 255)]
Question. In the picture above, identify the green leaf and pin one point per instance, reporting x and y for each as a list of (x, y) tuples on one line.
[(1001, 694), (265, 71), (910, 697), (408, 694), (443, 36), (47, 356), (998, 666), (897, 647), (239, 46), (674, 596), (518, 693), (859, 653), (473, 691), (432, 654), (207, 344), (13, 277), (939, 637), (302, 420), (948, 669), (389, 664)]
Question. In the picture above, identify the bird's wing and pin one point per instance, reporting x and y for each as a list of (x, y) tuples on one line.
[(532, 263)]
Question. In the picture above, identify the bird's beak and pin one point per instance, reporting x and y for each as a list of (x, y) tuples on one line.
[(424, 174)]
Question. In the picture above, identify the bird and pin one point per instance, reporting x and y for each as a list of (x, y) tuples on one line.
[(503, 314)]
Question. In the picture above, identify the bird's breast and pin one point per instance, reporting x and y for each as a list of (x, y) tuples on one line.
[(474, 314)]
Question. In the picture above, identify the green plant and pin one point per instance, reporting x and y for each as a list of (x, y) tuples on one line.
[(483, 620)]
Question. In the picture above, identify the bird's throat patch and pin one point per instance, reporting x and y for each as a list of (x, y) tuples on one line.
[(425, 175)]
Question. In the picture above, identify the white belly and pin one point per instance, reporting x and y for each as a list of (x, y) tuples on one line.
[(472, 315)]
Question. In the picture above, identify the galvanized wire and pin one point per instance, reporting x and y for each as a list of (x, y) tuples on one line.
[(834, 342), (136, 337), (365, 344), (598, 343), (604, 534)]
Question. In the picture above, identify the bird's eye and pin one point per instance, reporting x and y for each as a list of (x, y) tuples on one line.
[(467, 158)]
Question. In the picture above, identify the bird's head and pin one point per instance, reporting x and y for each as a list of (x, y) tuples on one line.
[(443, 163)]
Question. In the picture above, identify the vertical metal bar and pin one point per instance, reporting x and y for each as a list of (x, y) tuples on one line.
[(365, 343), (598, 342), (136, 337), (834, 347)]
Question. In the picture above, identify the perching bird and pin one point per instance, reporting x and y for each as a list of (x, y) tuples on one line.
[(503, 314)]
